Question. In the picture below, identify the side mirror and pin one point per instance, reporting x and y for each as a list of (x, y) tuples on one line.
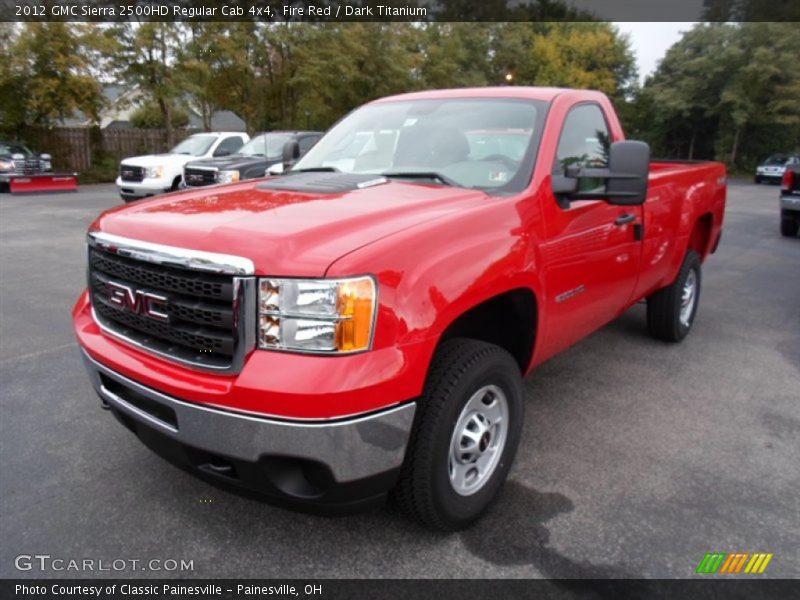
[(276, 169), (625, 178), (291, 152), (222, 152)]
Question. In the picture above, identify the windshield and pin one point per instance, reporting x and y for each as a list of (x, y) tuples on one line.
[(272, 143), (195, 145), (473, 143), (9, 149), (776, 159)]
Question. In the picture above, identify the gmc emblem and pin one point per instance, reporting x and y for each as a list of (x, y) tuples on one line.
[(138, 302)]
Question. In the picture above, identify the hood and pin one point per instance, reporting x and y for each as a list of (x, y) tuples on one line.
[(284, 232), (152, 160), (234, 161)]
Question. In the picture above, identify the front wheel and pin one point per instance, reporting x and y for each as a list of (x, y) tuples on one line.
[(465, 435), (671, 310)]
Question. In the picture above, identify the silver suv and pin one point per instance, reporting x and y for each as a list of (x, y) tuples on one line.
[(774, 167)]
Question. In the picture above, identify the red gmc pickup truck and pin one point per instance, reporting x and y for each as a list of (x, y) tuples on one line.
[(361, 325)]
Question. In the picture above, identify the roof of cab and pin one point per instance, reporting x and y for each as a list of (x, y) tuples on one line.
[(546, 94)]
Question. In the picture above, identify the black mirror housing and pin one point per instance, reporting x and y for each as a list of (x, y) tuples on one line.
[(625, 178), (628, 158), (291, 152)]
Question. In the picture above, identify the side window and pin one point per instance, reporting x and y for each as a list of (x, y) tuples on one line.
[(307, 142), (585, 139), (229, 146)]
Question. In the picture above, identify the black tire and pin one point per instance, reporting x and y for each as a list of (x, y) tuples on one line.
[(460, 368), (757, 179), (128, 198), (176, 184), (789, 226), (664, 306)]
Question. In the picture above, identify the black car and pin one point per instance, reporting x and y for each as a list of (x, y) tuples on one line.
[(251, 161)]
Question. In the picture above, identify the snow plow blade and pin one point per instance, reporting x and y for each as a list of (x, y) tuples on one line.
[(37, 184)]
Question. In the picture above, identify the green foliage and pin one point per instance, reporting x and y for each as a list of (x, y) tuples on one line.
[(725, 91), (103, 170), (46, 74), (150, 116), (144, 55)]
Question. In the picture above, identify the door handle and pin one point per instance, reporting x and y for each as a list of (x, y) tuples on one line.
[(625, 219)]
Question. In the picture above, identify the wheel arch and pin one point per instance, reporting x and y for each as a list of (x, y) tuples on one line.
[(509, 319)]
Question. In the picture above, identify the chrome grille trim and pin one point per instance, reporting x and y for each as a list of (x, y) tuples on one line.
[(243, 302), (170, 256)]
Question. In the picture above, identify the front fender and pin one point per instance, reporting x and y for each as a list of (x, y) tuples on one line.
[(431, 274)]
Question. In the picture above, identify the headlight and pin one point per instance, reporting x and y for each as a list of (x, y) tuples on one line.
[(316, 315), (6, 165), (156, 172), (227, 176)]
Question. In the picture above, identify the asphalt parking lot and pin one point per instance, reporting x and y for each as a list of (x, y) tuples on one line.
[(637, 457)]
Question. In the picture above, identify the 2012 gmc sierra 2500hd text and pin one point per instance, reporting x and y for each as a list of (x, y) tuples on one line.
[(361, 325)]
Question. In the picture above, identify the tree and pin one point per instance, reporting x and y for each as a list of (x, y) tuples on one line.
[(579, 55), (150, 116), (377, 60), (722, 84), (12, 82), (46, 75), (144, 55), (764, 89), (199, 62), (455, 55)]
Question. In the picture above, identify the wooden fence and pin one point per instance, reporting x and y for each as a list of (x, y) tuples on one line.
[(78, 148)]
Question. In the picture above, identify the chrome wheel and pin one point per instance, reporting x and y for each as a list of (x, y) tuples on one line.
[(688, 298), (478, 440)]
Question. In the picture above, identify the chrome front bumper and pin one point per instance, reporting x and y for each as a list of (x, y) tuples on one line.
[(353, 449)]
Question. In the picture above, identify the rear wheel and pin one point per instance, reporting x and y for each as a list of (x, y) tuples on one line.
[(465, 436), (789, 224), (671, 310)]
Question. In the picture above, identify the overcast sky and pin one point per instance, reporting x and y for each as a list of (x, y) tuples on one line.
[(650, 41)]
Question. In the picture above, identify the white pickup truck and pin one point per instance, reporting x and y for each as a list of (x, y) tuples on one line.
[(143, 176)]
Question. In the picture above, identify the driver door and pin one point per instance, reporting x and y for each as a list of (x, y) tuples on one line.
[(590, 253)]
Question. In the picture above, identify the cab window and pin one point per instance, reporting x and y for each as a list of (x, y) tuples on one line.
[(229, 145), (584, 141)]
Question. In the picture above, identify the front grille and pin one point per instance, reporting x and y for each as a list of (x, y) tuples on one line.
[(201, 323), (27, 166), (198, 177), (131, 173)]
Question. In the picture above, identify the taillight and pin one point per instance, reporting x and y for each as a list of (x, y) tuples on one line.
[(788, 180)]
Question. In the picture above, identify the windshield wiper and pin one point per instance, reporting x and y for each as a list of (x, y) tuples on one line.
[(421, 175)]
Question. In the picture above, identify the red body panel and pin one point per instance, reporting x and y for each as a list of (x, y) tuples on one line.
[(436, 252)]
